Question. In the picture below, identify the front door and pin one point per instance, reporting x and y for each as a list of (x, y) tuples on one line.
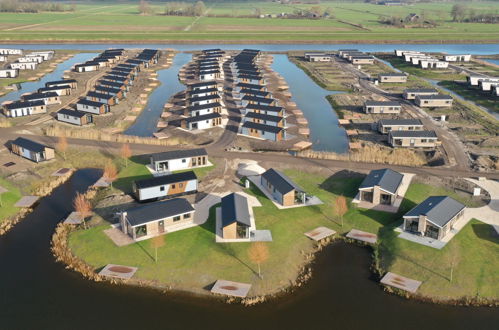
[(163, 166), (161, 226)]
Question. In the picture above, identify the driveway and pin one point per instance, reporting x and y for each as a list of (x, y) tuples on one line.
[(490, 212)]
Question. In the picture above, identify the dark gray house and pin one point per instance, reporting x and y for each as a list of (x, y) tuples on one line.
[(380, 187), (282, 188), (236, 219)]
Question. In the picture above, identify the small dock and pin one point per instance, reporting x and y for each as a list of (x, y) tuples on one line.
[(363, 236), (73, 218), (27, 201), (101, 183), (61, 172), (320, 233), (118, 271), (229, 288), (400, 282)]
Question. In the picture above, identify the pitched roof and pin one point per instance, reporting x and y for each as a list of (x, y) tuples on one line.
[(90, 103), (204, 98), (386, 179), (438, 209), (204, 106), (100, 95), (176, 154), (23, 104), (420, 90), (204, 84), (56, 82), (262, 127), (263, 100), (280, 181), (401, 122), (38, 96), (270, 108), (235, 209), (207, 116), (29, 144), (72, 113), (165, 179), (263, 116), (392, 74), (156, 211), (434, 97), (382, 104), (250, 86), (409, 134)]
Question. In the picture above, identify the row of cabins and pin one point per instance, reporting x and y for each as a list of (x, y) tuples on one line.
[(484, 83), (209, 64), (110, 89), (433, 218), (203, 106), (355, 56), (36, 103), (103, 60), (30, 61), (428, 97), (426, 61), (263, 117)]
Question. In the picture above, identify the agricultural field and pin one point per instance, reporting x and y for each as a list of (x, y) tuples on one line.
[(236, 22)]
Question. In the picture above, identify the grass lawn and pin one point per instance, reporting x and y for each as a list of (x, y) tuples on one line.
[(484, 99), (8, 199), (401, 64), (191, 259)]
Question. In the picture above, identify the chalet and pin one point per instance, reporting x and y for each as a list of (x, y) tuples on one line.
[(102, 98), (102, 62), (203, 92), (133, 67), (342, 52), (282, 188), (318, 57), (209, 74), (411, 93), (30, 59), (413, 139), (179, 160), (439, 100), (250, 99), (401, 52), (255, 93), (118, 79), (128, 75), (261, 118), (203, 109), (202, 85), (408, 57), (3, 58), (138, 63), (433, 64), (392, 77), (48, 97), (59, 90), (112, 84), (382, 107), (24, 108), (262, 131), (348, 55), (154, 219), (495, 90), (10, 51), (367, 59), (74, 117), (9, 73), (475, 79), (416, 60), (458, 58), (250, 79), (119, 93), (487, 84), (165, 186), (435, 217), (255, 87), (94, 107), (151, 56), (130, 71), (66, 82), (380, 187), (386, 126), (46, 54), (202, 121), (213, 98), (32, 150), (24, 66), (265, 109), (87, 67), (235, 216)]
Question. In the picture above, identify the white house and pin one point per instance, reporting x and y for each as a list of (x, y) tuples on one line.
[(179, 160), (74, 117), (487, 84), (433, 64), (29, 59), (458, 58), (47, 55), (9, 73), (202, 122), (24, 66), (10, 51), (3, 58), (22, 108)]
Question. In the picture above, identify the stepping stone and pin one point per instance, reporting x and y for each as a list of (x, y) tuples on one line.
[(320, 233), (400, 282), (362, 236), (229, 288)]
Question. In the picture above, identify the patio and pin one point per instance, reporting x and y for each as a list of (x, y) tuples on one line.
[(229, 288)]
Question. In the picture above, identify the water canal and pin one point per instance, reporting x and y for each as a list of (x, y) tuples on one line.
[(38, 293)]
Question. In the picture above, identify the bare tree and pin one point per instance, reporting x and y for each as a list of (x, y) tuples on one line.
[(126, 153), (144, 7), (110, 172), (340, 207), (156, 243), (83, 206), (258, 254), (62, 146)]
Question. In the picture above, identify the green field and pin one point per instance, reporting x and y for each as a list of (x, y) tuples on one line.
[(191, 260), (236, 22), (8, 199)]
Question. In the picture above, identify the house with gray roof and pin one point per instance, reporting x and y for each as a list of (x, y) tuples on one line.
[(392, 77), (433, 101), (179, 160), (154, 219), (413, 139), (434, 217), (411, 93), (382, 107), (236, 219), (381, 187), (386, 126), (283, 189)]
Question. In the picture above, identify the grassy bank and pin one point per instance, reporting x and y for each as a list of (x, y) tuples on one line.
[(8, 198), (191, 260), (485, 99)]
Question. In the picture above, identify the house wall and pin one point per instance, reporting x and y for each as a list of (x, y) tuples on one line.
[(412, 96), (230, 231), (433, 103), (153, 226), (392, 79), (182, 163), (289, 198), (205, 124), (9, 73), (170, 190), (381, 109), (362, 61), (385, 129), (271, 190), (418, 142), (49, 153), (90, 109), (69, 119)]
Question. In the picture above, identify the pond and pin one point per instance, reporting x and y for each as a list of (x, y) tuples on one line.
[(38, 293)]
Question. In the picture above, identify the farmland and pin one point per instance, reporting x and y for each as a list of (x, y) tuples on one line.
[(236, 22)]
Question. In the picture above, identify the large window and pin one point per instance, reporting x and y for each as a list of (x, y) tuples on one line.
[(177, 218), (140, 231)]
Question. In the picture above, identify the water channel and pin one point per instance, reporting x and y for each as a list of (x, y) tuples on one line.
[(38, 293)]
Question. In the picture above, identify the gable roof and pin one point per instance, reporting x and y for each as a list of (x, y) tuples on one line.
[(410, 134), (204, 106), (156, 211), (235, 209), (90, 103), (176, 154), (270, 108), (438, 209), (387, 179), (39, 96), (165, 179), (420, 90), (280, 181), (263, 116), (195, 119), (203, 84), (382, 104), (72, 113), (401, 122), (29, 144), (262, 127), (23, 104)]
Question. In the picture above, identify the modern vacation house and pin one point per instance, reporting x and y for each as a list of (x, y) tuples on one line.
[(154, 219), (282, 188), (74, 117), (165, 186), (32, 150), (382, 107), (380, 187), (433, 101), (236, 219), (411, 93), (24, 108), (386, 126), (392, 77), (413, 139), (179, 160), (434, 217)]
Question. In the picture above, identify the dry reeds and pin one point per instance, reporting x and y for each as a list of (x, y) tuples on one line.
[(93, 134), (371, 154), (5, 122)]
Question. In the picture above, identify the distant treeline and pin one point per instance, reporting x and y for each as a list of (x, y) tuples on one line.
[(18, 6)]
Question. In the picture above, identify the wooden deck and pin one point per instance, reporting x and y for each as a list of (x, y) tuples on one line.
[(61, 172), (118, 271), (228, 288), (27, 201), (400, 282), (362, 236), (320, 233), (73, 219)]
